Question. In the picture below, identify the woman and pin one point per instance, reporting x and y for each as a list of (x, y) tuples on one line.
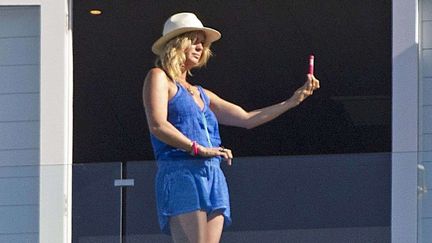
[(191, 191)]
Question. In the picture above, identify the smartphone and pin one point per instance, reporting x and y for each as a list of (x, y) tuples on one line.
[(311, 64)]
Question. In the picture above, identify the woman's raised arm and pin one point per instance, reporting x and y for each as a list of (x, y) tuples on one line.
[(233, 115)]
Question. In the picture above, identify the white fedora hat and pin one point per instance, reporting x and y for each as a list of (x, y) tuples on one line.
[(181, 23)]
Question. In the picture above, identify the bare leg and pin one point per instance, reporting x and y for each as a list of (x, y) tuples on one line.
[(189, 227), (214, 227)]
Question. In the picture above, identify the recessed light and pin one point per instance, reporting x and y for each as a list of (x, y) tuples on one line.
[(95, 12)]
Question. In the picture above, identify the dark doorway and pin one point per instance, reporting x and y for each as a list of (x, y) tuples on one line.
[(260, 60)]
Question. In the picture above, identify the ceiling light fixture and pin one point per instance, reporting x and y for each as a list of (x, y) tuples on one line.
[(95, 12)]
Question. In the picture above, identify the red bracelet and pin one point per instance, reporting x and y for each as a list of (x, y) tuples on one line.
[(194, 151)]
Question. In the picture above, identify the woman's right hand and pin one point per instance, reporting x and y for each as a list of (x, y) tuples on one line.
[(306, 90), (225, 153)]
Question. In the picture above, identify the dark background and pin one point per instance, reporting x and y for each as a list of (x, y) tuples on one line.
[(260, 60)]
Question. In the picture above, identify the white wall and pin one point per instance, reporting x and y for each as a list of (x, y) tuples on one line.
[(19, 123), (404, 122), (45, 218), (425, 121)]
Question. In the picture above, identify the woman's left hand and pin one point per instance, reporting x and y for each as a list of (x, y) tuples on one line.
[(225, 153), (306, 90)]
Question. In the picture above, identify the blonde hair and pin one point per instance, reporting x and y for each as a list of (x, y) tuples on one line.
[(173, 54)]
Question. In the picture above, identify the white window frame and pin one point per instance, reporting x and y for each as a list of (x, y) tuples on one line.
[(55, 119)]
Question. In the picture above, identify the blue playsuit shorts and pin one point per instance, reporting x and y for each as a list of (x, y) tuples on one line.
[(184, 186)]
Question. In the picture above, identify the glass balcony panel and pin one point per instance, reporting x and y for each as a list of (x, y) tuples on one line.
[(424, 197), (96, 205), (313, 198)]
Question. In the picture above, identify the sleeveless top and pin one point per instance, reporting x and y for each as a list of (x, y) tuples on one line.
[(196, 124)]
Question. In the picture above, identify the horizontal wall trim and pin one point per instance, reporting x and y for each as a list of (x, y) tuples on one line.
[(19, 121), (18, 205), (21, 5), (21, 233), (14, 93), (19, 37), (16, 177), (14, 166), (20, 64), (19, 149)]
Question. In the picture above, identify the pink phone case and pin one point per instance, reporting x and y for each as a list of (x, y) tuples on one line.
[(311, 64)]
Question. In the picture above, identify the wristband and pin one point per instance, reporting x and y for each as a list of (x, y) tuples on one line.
[(194, 149)]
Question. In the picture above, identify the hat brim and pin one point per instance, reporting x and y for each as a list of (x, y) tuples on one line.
[(212, 35)]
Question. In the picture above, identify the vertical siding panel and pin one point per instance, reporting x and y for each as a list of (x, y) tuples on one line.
[(19, 107), (427, 9), (427, 91), (426, 210), (19, 219), (428, 167), (427, 63), (427, 119), (426, 226), (427, 144), (20, 21), (19, 135), (19, 79), (427, 34), (19, 51), (427, 156), (19, 191), (27, 238), (19, 125), (24, 157), (18, 172), (425, 109)]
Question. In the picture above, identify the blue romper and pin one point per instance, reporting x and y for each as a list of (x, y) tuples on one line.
[(185, 183)]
